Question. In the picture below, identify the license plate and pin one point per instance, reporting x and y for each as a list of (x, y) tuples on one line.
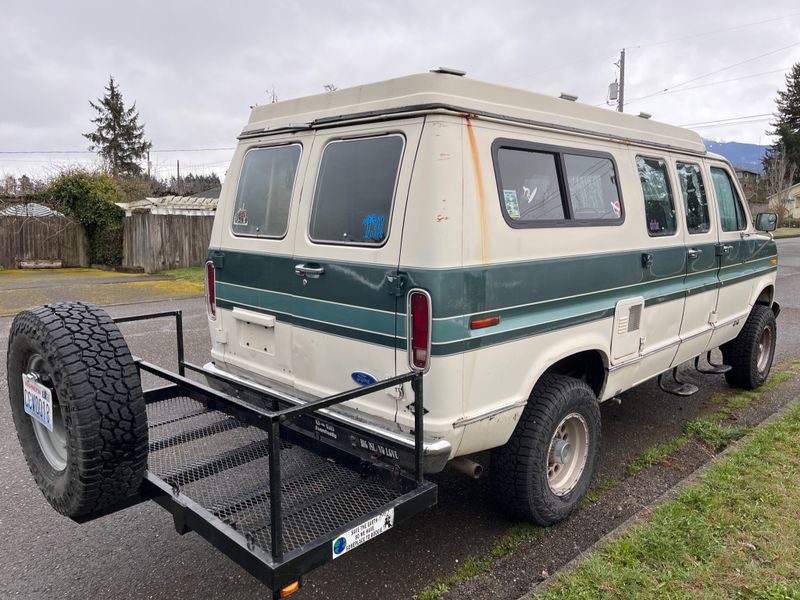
[(38, 401), (363, 533)]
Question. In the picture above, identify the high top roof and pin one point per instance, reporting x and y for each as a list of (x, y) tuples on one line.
[(427, 91)]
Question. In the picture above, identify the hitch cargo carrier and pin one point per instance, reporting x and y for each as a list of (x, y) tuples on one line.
[(278, 498)]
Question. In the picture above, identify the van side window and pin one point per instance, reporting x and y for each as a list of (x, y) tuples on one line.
[(531, 191), (355, 190), (592, 187), (549, 186), (265, 191), (731, 213), (659, 207), (694, 198)]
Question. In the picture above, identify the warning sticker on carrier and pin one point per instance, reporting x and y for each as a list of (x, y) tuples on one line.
[(363, 533)]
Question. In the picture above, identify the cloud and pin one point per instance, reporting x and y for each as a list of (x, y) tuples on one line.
[(194, 68)]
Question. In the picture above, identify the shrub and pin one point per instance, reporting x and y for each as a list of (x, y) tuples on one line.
[(89, 199)]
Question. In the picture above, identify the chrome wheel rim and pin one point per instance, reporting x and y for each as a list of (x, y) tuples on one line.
[(764, 349), (566, 458), (53, 444)]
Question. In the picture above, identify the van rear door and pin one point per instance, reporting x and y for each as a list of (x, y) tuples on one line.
[(347, 251), (252, 332)]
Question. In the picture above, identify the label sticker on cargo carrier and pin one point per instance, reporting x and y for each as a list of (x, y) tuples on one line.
[(363, 533), (37, 401)]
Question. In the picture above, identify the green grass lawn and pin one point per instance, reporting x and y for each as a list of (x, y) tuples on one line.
[(734, 534), (785, 232), (193, 274)]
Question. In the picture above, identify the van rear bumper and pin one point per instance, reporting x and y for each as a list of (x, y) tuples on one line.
[(336, 428)]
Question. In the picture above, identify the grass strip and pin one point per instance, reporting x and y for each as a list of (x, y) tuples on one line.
[(519, 534), (193, 274), (734, 534)]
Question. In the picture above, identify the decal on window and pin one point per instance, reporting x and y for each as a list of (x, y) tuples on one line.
[(512, 203), (241, 216), (374, 227)]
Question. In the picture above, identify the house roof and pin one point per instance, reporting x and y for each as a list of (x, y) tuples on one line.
[(437, 92), (748, 171), (29, 209), (172, 205), (790, 192)]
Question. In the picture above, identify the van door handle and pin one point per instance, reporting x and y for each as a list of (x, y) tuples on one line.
[(310, 270), (694, 253), (723, 249)]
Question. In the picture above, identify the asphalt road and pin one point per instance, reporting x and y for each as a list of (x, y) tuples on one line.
[(137, 554)]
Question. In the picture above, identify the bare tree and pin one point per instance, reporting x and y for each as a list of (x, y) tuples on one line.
[(776, 181)]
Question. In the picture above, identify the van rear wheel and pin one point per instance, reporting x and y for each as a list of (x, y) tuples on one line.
[(544, 471), (750, 354)]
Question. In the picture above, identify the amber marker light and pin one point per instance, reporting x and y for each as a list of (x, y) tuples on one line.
[(483, 323), (290, 589), (774, 261)]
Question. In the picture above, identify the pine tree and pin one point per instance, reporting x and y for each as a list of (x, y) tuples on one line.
[(118, 137), (785, 152)]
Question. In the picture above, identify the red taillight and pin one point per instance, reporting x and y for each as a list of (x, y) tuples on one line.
[(419, 330), (211, 291)]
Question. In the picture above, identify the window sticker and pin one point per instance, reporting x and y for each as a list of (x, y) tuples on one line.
[(374, 227), (512, 203), (240, 218)]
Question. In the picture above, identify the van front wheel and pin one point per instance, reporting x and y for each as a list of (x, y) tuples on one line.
[(544, 471)]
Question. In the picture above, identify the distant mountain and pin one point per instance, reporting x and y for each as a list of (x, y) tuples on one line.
[(744, 156)]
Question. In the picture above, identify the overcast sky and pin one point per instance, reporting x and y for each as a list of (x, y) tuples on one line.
[(194, 68)]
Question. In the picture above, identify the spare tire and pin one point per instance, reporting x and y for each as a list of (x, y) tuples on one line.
[(96, 452)]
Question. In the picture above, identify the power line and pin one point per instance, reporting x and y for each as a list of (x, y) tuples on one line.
[(728, 124), (92, 152), (682, 83), (693, 35), (604, 55), (728, 119)]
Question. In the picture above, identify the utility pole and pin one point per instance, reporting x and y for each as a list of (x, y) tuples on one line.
[(621, 97), (179, 178)]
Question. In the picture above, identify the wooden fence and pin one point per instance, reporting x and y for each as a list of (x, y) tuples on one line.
[(42, 238), (159, 242)]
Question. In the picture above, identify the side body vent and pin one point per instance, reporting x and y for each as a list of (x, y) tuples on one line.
[(627, 328)]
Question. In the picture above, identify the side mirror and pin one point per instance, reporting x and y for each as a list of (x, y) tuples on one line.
[(766, 221)]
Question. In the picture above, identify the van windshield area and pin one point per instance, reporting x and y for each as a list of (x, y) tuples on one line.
[(355, 191), (265, 191)]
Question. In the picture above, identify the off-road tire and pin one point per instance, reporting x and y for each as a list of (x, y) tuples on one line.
[(742, 353), (519, 470), (99, 395)]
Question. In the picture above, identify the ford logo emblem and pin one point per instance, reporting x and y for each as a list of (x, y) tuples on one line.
[(362, 378)]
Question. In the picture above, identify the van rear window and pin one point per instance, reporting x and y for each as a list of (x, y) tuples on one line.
[(547, 186), (265, 191), (355, 191)]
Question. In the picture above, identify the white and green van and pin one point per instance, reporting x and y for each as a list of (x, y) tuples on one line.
[(534, 256)]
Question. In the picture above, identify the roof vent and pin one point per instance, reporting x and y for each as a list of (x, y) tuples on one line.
[(570, 97), (449, 71), (644, 115)]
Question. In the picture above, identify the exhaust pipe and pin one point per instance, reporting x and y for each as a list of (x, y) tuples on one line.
[(467, 467)]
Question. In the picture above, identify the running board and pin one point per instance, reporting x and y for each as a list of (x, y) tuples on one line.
[(680, 388), (712, 368)]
